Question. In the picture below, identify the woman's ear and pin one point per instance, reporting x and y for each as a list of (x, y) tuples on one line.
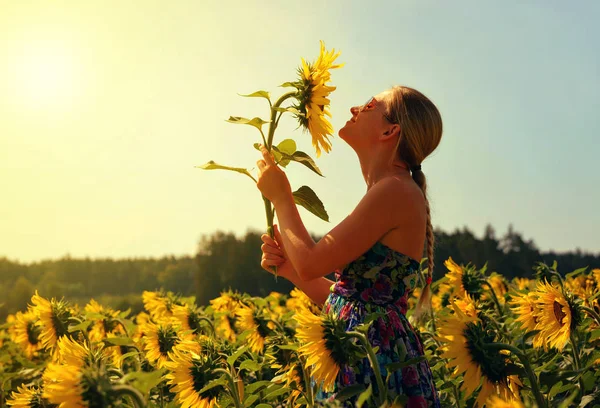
[(391, 132)]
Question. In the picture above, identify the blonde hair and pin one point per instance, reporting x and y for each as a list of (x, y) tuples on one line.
[(420, 134)]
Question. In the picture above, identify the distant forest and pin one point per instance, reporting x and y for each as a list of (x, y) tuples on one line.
[(224, 261)]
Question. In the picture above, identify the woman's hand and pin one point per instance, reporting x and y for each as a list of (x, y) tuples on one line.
[(272, 181), (273, 254)]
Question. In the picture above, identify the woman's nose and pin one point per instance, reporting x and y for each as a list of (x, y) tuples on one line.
[(354, 110)]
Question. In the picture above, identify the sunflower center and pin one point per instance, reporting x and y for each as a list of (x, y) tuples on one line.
[(194, 322), (558, 312), (471, 281), (261, 328), (60, 316), (492, 363), (167, 337), (334, 344), (201, 373), (33, 333)]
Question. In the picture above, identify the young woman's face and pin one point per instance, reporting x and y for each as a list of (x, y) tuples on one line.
[(366, 124)]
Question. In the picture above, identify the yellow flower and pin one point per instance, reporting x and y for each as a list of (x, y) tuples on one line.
[(322, 346), (523, 283), (63, 385), (554, 316), (189, 318), (496, 402), (26, 396), (498, 286), (104, 325), (53, 319), (157, 305), (161, 338), (26, 333), (224, 303), (525, 307), (462, 337), (190, 371), (72, 352), (298, 301), (225, 327), (313, 101), (466, 305), (249, 319)]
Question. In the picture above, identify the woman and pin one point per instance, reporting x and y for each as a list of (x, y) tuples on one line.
[(375, 251)]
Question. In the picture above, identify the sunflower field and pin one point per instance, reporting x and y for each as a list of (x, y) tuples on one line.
[(489, 342)]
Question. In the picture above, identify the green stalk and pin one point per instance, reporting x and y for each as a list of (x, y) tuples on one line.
[(382, 397), (576, 361), (535, 388), (591, 312), (272, 126), (135, 395), (307, 385)]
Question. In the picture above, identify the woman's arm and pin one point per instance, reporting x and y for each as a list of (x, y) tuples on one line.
[(274, 254)]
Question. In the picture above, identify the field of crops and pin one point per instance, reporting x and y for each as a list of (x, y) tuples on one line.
[(523, 343)]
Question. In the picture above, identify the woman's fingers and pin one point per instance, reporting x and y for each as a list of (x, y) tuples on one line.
[(270, 249), (267, 262), (267, 239)]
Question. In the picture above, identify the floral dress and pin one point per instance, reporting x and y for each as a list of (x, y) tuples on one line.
[(381, 280)]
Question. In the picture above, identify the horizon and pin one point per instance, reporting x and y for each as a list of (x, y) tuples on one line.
[(105, 114)]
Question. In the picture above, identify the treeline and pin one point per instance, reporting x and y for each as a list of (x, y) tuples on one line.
[(225, 261)]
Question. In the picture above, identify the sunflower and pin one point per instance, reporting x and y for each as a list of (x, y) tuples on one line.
[(190, 372), (105, 321), (496, 402), (72, 352), (464, 280), (298, 301), (161, 338), (26, 333), (523, 283), (466, 305), (54, 319), (190, 318), (157, 304), (326, 346), (27, 396), (463, 338), (556, 316), (312, 96), (497, 284), (250, 319), (524, 306), (63, 385)]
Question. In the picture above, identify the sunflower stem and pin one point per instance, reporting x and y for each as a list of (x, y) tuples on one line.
[(135, 395), (307, 385), (382, 394), (591, 312), (212, 326), (535, 388), (576, 361)]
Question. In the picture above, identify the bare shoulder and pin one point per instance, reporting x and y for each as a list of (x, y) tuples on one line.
[(403, 194)]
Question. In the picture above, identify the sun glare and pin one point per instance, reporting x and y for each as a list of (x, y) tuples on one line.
[(44, 76)]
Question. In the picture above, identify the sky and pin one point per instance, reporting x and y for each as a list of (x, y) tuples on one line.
[(106, 107)]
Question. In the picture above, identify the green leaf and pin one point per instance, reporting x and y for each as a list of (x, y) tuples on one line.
[(397, 366), (258, 94), (215, 383), (232, 358), (249, 365), (307, 198), (263, 406), (81, 326), (349, 392), (595, 334), (575, 272), (211, 165), (288, 347), (145, 381), (289, 84), (277, 393), (303, 158), (256, 122), (250, 400), (257, 385), (364, 396)]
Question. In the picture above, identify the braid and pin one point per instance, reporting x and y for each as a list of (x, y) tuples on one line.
[(424, 302)]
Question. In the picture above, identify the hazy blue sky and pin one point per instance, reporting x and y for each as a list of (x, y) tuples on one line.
[(107, 106)]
